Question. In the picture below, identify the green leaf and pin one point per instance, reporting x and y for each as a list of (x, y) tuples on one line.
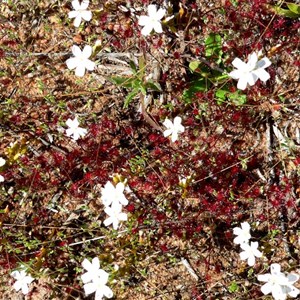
[(233, 287), (133, 66), (295, 8), (123, 81), (200, 85), (129, 97), (284, 12), (155, 86), (236, 98), (213, 46), (194, 65)]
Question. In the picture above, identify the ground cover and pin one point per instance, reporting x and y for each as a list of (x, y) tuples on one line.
[(178, 144)]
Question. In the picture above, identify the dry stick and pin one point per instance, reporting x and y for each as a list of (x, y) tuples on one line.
[(282, 213)]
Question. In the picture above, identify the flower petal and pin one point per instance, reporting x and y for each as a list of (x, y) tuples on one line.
[(80, 70), (77, 20), (143, 20), (266, 288), (108, 293), (87, 51), (160, 14), (89, 288), (89, 65), (157, 27), (73, 14), (262, 74), (263, 63), (239, 64), (152, 10), (84, 4), (95, 263), (76, 4), (147, 29), (86, 15), (242, 83), (76, 51), (86, 264), (72, 63), (275, 269), (25, 289)]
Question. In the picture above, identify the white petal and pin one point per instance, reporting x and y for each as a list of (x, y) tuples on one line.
[(262, 74), (293, 292), (86, 264), (292, 277), (120, 187), (99, 294), (239, 64), (251, 78), (95, 263), (244, 255), (264, 277), (25, 289), (90, 65), (15, 274), (77, 20), (115, 224), (89, 288), (76, 51), (108, 293), (85, 4), (160, 14), (76, 4), (87, 51), (242, 83), (17, 285), (246, 226), (143, 20), (73, 14), (168, 132), (266, 288), (251, 260), (72, 63), (122, 217), (1, 178), (174, 137), (80, 70), (236, 74), (147, 29), (167, 123), (252, 61), (86, 15), (177, 121), (86, 277), (275, 269), (263, 63), (108, 221), (157, 27), (152, 10)]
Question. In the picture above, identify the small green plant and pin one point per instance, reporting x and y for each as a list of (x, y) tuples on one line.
[(137, 83)]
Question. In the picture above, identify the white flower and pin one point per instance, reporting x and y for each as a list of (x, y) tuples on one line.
[(74, 129), (152, 21), (93, 270), (111, 194), (278, 284), (81, 60), (2, 162), (250, 72), (99, 286), (289, 289), (173, 129), (1, 178), (80, 12), (115, 215), (243, 233), (250, 252), (22, 281)]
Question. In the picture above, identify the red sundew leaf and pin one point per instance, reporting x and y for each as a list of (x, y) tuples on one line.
[(164, 248), (130, 208)]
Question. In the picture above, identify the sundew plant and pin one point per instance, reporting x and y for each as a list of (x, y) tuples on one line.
[(150, 149)]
